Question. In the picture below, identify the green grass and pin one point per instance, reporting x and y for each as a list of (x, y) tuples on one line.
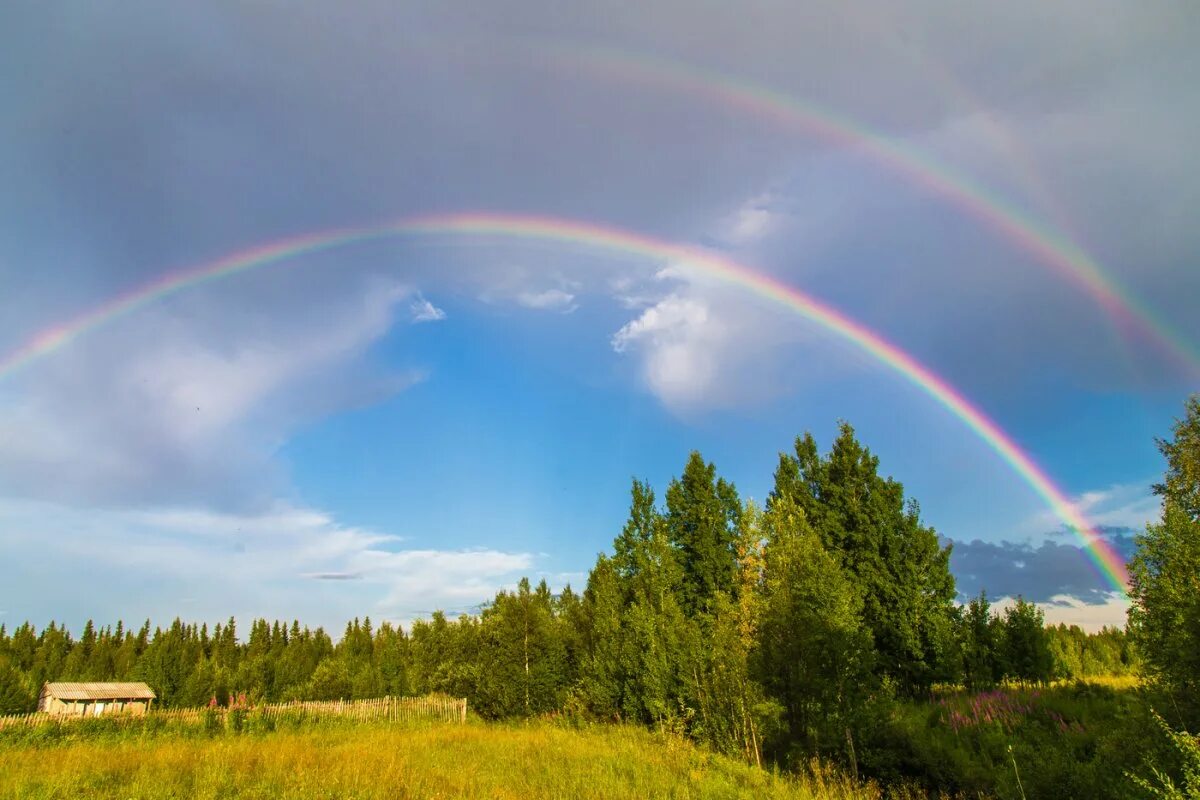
[(1078, 739), (389, 761)]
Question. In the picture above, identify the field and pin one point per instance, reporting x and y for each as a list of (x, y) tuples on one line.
[(1066, 740), (378, 760)]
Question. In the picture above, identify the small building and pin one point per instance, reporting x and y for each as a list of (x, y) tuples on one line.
[(94, 699)]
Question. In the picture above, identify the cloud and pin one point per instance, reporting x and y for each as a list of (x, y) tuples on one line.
[(680, 339), (1038, 573), (549, 300), (256, 564), (424, 311), (187, 405), (1120, 506), (702, 346), (752, 221)]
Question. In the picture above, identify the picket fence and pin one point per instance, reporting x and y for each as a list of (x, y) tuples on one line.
[(392, 709)]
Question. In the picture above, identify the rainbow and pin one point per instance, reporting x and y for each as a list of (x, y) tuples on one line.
[(956, 90), (1049, 248), (576, 233)]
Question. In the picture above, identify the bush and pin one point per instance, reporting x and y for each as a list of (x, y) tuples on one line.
[(1066, 741), (1186, 752)]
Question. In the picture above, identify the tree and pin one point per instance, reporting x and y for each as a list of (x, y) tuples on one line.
[(1165, 573), (1026, 645), (980, 656), (734, 711), (15, 694), (526, 659), (1181, 483), (658, 637), (814, 653), (701, 521), (602, 676), (896, 561)]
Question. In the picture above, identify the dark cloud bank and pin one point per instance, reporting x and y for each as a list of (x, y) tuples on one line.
[(1057, 566)]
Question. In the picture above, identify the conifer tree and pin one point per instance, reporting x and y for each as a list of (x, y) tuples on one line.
[(701, 519), (602, 677), (896, 561)]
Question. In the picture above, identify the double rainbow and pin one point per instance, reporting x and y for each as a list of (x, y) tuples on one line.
[(1004, 219)]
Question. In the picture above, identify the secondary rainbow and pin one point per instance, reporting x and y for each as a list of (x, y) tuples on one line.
[(1048, 247), (578, 233)]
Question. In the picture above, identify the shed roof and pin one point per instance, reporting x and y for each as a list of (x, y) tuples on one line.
[(99, 691)]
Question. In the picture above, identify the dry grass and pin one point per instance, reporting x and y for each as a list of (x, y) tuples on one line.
[(378, 761)]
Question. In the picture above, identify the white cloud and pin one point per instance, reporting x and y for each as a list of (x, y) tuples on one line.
[(187, 406), (1125, 505), (632, 293), (702, 346), (672, 317), (680, 338), (288, 561), (424, 311), (549, 300), (751, 222)]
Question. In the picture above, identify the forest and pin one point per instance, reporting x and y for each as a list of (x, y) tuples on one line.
[(824, 624)]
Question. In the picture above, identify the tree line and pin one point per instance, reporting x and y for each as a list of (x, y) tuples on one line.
[(756, 630)]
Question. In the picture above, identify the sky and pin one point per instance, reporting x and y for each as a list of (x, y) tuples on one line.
[(409, 423)]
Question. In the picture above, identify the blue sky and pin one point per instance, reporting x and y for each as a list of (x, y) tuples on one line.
[(394, 427)]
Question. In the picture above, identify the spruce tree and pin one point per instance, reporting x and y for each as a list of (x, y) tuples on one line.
[(896, 562), (701, 521)]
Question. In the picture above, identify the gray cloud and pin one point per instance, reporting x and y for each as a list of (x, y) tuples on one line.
[(159, 139), (1042, 573)]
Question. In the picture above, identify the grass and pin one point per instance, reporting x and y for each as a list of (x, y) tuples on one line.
[(1071, 739), (376, 760)]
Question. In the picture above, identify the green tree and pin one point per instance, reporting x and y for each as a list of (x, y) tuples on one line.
[(657, 637), (814, 652), (1165, 573), (701, 521), (526, 659), (391, 656), (16, 696), (602, 676), (899, 566), (1026, 645), (980, 656), (734, 711)]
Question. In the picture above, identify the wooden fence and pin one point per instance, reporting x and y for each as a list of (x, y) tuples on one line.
[(391, 709)]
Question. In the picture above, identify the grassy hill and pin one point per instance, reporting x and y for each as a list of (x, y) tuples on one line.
[(381, 761)]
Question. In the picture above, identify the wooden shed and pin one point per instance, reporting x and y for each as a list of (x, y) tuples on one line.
[(94, 699)]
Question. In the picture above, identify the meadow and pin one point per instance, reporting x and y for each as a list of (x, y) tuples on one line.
[(382, 760), (1071, 739)]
